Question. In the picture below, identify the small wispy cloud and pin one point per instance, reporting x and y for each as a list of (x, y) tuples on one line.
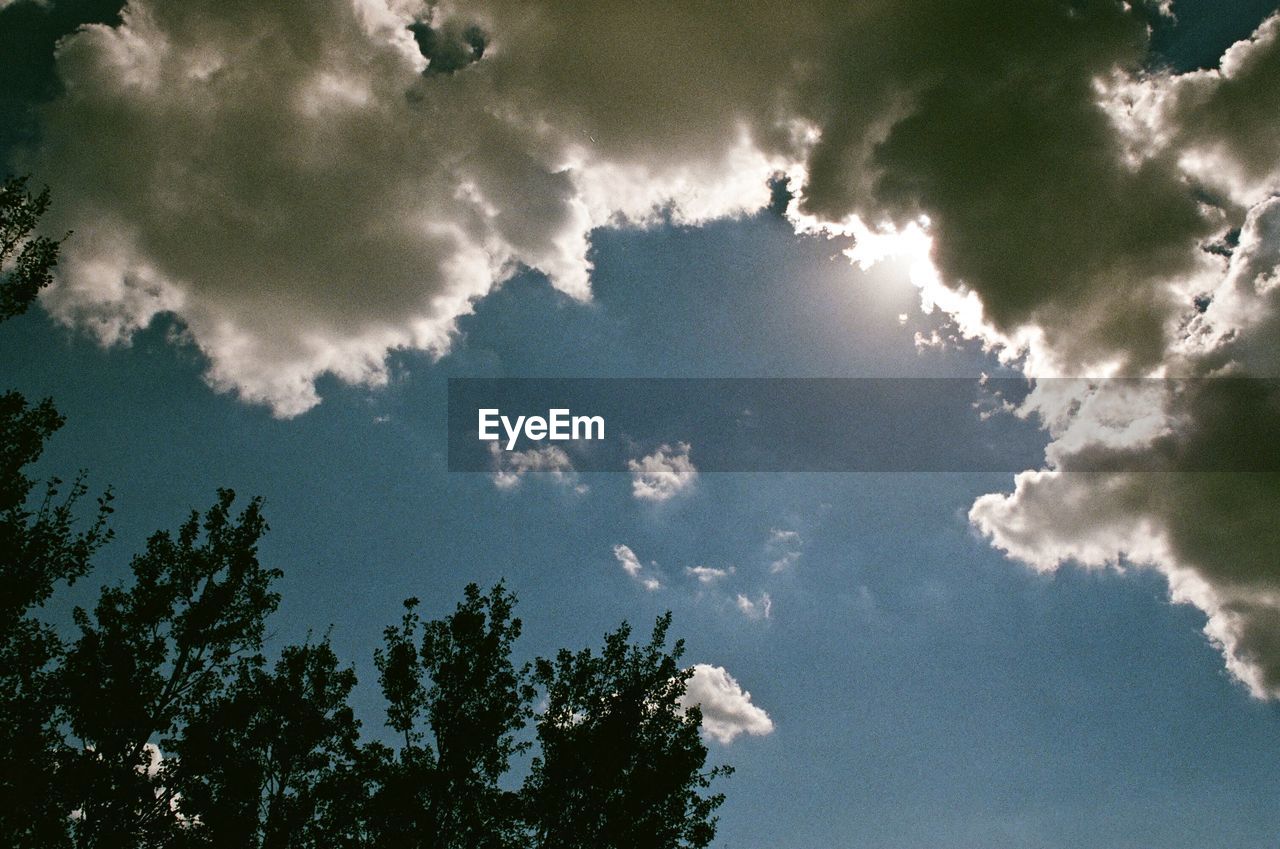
[(510, 467), (778, 536), (761, 608), (631, 564), (784, 547), (664, 474), (785, 562), (708, 574)]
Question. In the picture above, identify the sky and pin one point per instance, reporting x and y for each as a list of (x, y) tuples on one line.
[(290, 231)]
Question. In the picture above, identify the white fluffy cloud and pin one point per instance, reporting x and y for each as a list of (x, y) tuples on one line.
[(631, 564), (727, 710), (1212, 533), (664, 474)]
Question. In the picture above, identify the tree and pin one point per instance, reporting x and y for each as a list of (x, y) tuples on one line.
[(151, 658), (457, 700), (39, 550), (271, 762), (622, 761)]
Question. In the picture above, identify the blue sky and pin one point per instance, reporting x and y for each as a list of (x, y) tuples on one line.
[(926, 690)]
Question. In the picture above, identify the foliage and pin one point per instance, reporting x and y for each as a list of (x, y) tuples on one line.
[(154, 656), (621, 761), (270, 761), (455, 695), (39, 549)]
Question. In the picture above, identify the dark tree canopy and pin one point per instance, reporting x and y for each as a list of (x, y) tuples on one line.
[(152, 657), (39, 549), (270, 761), (459, 701), (162, 722), (621, 761)]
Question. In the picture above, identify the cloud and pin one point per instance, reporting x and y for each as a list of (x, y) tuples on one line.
[(631, 564), (778, 536), (784, 547), (727, 710), (762, 608), (784, 562), (664, 474), (708, 574), (1080, 214), (628, 560), (551, 462), (1217, 562), (1211, 533), (309, 192), (1217, 121)]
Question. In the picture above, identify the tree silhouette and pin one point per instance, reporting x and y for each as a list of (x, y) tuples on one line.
[(30, 258), (151, 657), (269, 762), (622, 761), (39, 550), (458, 701)]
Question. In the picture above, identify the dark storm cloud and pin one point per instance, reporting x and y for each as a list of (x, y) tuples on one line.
[(449, 49)]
